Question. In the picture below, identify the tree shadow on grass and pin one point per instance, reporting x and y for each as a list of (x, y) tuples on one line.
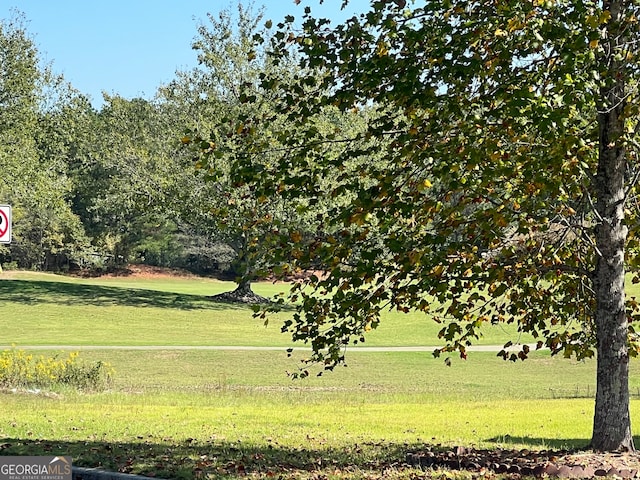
[(508, 441), (216, 458), (64, 293), (220, 458)]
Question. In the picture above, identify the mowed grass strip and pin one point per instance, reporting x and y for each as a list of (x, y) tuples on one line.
[(46, 309), (290, 421), (379, 374), (52, 310)]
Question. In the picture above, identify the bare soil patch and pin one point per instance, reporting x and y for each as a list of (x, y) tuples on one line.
[(143, 271)]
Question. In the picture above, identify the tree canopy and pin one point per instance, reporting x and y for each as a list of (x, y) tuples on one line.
[(223, 97), (46, 233), (508, 188)]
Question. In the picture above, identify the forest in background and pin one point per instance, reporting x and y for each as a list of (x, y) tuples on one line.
[(98, 189)]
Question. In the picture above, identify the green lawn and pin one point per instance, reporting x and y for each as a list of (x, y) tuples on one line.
[(163, 312), (200, 413), (169, 409)]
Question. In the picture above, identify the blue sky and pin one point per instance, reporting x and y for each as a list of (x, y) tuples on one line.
[(130, 47)]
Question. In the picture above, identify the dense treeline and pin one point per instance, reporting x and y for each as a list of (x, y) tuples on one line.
[(97, 189)]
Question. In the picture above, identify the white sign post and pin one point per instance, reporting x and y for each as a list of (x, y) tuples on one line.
[(5, 223)]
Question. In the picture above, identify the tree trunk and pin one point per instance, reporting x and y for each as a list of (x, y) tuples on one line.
[(612, 422), (242, 294), (244, 289)]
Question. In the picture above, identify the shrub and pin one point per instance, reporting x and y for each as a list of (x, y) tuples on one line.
[(19, 369)]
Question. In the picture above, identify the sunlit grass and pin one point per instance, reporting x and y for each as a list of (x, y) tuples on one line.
[(187, 413), (170, 312), (397, 397), (289, 419), (482, 376)]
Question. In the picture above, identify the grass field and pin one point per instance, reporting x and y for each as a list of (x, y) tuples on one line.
[(167, 312), (192, 413)]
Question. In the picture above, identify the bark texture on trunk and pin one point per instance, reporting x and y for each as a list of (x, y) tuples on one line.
[(612, 422)]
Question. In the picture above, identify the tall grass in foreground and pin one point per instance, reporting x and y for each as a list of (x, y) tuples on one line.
[(19, 369)]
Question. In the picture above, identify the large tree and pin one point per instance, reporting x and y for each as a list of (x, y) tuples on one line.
[(508, 191), (119, 173), (218, 101), (33, 169)]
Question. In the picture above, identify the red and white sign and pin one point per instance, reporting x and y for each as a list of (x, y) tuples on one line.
[(5, 223)]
